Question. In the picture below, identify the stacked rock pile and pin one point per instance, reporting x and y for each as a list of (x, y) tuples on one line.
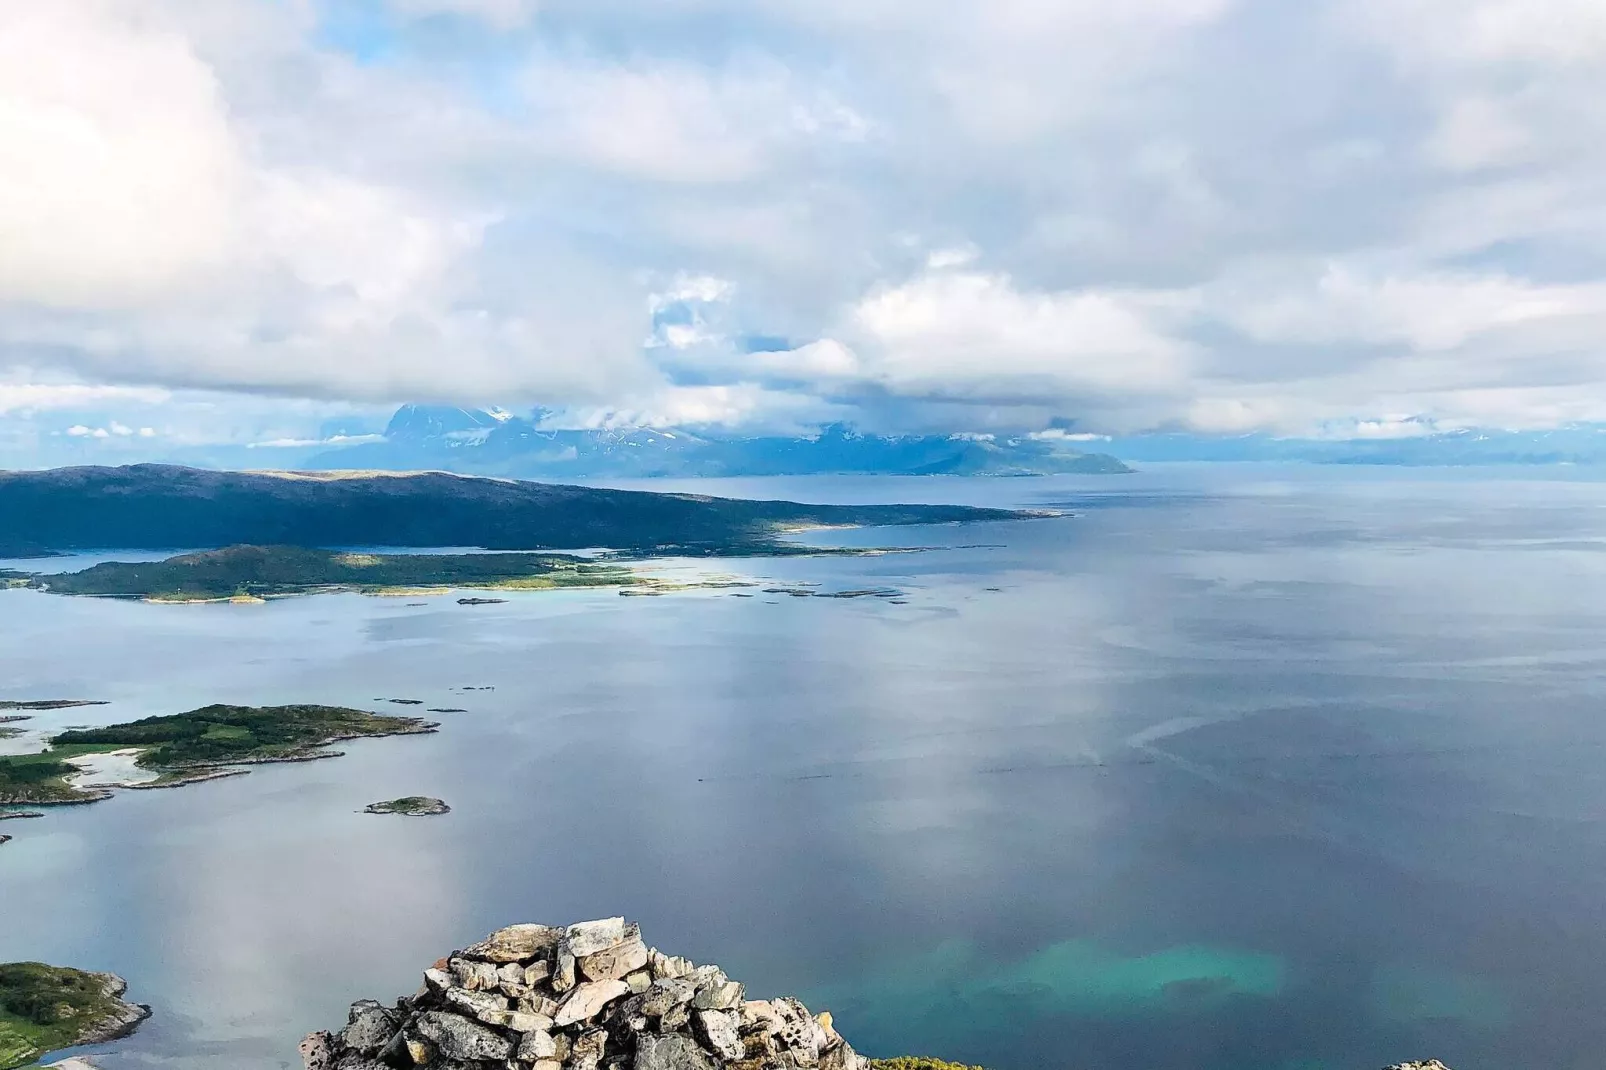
[(591, 996)]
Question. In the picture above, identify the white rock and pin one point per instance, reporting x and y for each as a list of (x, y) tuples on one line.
[(718, 1031), (587, 1001), (472, 975), (537, 1045), (529, 1022), (717, 996), (488, 1007), (615, 962), (589, 937), (663, 965)]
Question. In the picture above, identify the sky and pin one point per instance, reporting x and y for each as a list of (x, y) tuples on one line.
[(272, 221)]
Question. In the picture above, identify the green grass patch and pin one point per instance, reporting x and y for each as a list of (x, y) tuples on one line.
[(46, 1008), (256, 572), (41, 778)]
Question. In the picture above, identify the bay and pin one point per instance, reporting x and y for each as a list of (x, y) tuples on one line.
[(1236, 768)]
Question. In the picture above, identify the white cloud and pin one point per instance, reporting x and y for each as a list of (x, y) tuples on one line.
[(29, 397), (1429, 312), (1154, 213), (982, 334), (118, 170), (948, 258), (678, 122)]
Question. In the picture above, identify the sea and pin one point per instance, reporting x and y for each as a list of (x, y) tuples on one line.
[(1225, 767)]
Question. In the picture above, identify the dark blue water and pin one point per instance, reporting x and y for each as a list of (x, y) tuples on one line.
[(1235, 769)]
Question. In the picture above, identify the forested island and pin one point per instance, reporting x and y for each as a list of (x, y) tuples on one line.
[(186, 747), (156, 507)]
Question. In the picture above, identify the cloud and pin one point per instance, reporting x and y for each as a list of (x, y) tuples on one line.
[(120, 169), (25, 397), (972, 333), (961, 215)]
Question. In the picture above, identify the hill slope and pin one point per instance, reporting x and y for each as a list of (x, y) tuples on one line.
[(161, 506)]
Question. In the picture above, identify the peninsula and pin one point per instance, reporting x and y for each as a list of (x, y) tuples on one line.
[(155, 507), (202, 744), (47, 1008)]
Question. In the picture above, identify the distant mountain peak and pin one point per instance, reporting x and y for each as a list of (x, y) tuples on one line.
[(418, 422)]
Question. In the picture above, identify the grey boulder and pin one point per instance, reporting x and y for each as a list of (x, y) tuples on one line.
[(459, 1038), (671, 1053)]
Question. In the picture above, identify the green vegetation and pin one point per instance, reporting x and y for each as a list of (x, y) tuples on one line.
[(189, 746), (159, 506), (917, 1062), (231, 735), (40, 779), (46, 1008), (256, 572)]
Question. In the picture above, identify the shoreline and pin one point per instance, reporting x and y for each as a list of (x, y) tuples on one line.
[(89, 784)]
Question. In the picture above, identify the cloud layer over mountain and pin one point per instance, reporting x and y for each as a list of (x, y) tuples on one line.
[(1221, 215)]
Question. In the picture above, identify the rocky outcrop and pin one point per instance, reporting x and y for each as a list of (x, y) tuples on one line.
[(1431, 1064), (591, 996), (411, 806)]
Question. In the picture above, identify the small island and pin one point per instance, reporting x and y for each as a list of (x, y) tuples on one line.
[(48, 1008), (409, 806), (48, 704), (256, 573), (184, 748)]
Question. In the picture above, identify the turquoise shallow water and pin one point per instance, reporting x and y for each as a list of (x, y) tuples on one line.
[(1235, 769)]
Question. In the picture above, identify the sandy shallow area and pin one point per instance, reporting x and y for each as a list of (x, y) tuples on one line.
[(110, 770)]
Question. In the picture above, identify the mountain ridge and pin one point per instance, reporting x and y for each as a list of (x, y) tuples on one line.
[(494, 442), (160, 507)]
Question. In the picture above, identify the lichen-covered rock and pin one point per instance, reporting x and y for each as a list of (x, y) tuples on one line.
[(473, 975), (369, 1027), (590, 996), (318, 1051), (666, 994), (489, 1007), (677, 1052), (516, 943), (457, 1037)]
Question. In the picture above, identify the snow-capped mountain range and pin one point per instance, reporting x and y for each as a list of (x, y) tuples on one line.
[(495, 442)]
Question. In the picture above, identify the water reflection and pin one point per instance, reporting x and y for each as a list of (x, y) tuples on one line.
[(1230, 771)]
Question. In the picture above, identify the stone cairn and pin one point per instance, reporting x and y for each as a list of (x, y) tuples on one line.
[(592, 996)]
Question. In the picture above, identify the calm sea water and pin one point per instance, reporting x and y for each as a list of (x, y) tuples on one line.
[(1235, 769)]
